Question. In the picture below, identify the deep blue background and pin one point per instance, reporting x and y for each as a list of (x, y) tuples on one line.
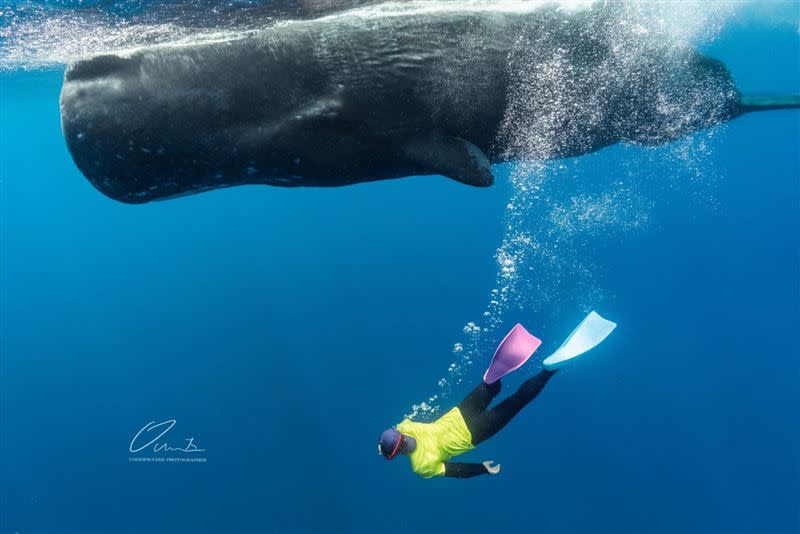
[(284, 329)]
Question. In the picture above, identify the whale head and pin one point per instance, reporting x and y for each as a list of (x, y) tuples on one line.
[(97, 104), (110, 123), (162, 122)]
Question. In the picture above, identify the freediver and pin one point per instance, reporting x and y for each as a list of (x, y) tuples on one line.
[(429, 446)]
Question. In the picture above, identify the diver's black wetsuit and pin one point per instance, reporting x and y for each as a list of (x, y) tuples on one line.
[(483, 423)]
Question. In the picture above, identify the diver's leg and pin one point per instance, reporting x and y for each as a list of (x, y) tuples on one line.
[(491, 421), (476, 402)]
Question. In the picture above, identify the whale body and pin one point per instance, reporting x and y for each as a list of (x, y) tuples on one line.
[(368, 95)]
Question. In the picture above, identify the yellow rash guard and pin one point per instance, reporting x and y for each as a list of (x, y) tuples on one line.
[(437, 442)]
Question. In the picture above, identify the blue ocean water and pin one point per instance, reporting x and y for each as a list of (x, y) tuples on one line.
[(283, 329)]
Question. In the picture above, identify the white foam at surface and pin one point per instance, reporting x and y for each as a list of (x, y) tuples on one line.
[(423, 7), (34, 36)]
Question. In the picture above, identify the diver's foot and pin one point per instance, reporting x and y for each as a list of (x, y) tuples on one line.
[(592, 330), (515, 349)]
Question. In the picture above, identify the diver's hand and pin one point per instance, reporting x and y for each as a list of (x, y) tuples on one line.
[(491, 469)]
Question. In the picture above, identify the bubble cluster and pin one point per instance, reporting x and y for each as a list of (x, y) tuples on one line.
[(560, 213), (594, 215)]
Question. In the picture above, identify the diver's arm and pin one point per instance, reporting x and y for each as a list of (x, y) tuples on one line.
[(464, 470)]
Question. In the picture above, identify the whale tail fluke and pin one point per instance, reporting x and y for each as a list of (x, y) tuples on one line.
[(766, 103)]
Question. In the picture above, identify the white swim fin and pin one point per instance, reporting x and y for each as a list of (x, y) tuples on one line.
[(592, 330)]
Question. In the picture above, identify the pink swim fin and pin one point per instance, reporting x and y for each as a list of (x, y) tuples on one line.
[(513, 351)]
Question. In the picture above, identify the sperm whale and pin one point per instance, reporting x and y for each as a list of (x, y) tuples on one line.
[(378, 93)]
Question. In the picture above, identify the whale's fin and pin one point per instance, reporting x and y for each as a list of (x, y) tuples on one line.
[(766, 103), (453, 157)]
